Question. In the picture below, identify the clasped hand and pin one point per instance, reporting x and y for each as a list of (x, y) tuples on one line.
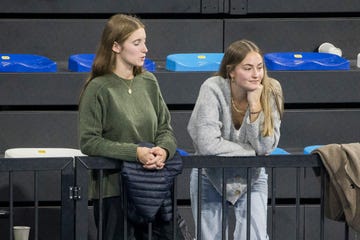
[(152, 158)]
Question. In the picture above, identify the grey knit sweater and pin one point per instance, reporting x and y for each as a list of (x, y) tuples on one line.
[(213, 133)]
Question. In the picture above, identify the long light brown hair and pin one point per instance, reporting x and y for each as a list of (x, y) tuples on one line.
[(235, 54), (117, 29)]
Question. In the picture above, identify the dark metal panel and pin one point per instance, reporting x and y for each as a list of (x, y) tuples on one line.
[(296, 34), (105, 6), (38, 129), (301, 6)]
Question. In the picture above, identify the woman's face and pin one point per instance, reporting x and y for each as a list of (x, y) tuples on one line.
[(249, 73), (133, 50)]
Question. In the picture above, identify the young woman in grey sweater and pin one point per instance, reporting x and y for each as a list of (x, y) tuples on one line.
[(238, 113)]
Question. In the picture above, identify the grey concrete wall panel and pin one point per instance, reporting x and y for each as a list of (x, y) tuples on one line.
[(238, 7), (300, 6), (54, 129), (214, 6), (40, 88), (319, 86), (179, 121), (57, 39), (170, 36), (181, 87), (106, 6), (296, 34), (301, 128), (63, 88)]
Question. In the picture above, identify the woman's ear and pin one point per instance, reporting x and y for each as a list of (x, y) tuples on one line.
[(116, 47)]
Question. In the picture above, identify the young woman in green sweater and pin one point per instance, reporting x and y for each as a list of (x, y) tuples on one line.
[(121, 105)]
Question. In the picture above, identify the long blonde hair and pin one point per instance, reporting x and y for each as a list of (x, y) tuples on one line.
[(117, 29), (235, 54)]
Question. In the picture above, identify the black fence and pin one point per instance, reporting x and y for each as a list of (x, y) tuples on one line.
[(75, 182)]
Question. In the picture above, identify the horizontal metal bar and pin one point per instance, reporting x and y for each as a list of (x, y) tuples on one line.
[(279, 161), (34, 164)]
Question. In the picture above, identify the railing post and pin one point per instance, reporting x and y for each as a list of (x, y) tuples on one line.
[(67, 205), (81, 202)]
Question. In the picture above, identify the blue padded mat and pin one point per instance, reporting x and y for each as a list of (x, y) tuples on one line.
[(83, 63), (305, 61), (279, 151), (194, 62), (26, 63), (309, 149), (182, 152)]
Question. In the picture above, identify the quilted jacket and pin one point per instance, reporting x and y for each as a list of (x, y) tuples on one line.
[(150, 191)]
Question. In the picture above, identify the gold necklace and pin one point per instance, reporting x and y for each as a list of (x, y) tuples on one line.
[(235, 108), (129, 85)]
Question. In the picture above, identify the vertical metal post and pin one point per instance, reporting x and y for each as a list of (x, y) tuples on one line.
[(80, 203), (124, 207), (11, 204), (101, 203), (36, 204), (68, 228), (223, 206), (248, 204), (322, 202), (297, 203), (174, 206), (273, 202), (199, 193)]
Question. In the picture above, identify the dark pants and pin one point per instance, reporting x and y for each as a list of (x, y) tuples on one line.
[(113, 223), (113, 227)]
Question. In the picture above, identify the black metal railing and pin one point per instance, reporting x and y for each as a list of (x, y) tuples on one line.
[(272, 162), (75, 184), (10, 166)]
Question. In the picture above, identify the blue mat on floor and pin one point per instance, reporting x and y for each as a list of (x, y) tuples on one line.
[(193, 62), (83, 63), (305, 61), (26, 63)]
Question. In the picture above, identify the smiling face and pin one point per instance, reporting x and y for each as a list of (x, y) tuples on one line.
[(133, 51), (249, 73)]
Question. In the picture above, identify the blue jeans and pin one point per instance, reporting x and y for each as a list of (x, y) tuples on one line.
[(211, 209)]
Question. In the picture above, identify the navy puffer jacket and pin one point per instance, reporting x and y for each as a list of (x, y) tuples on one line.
[(150, 191)]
